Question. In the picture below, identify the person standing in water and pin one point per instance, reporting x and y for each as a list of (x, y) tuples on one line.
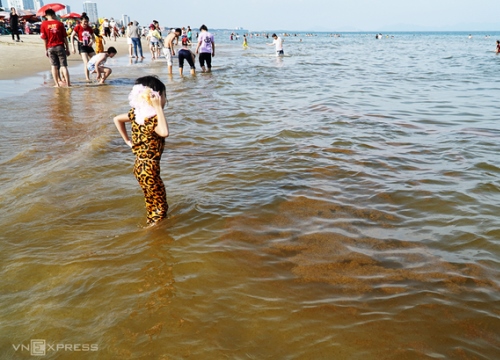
[(186, 54), (153, 38), (278, 42), (85, 36), (206, 49), (169, 50), (135, 34), (149, 130), (53, 33), (129, 40)]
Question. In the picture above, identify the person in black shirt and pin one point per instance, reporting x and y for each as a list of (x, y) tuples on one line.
[(14, 23)]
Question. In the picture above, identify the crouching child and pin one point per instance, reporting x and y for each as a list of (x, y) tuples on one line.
[(96, 65)]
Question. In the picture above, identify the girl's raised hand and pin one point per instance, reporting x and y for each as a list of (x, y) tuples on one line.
[(155, 99)]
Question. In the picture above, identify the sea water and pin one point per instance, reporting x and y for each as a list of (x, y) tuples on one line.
[(340, 202)]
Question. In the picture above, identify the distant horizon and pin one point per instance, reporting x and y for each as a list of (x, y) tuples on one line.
[(354, 31), (407, 28)]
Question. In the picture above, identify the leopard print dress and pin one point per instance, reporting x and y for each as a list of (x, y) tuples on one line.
[(148, 147)]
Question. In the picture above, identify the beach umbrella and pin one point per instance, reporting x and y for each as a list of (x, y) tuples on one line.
[(71, 15), (26, 14), (54, 6), (4, 14)]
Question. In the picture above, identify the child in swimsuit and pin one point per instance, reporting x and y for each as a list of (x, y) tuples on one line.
[(149, 130)]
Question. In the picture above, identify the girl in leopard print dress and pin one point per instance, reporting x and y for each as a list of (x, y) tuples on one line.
[(149, 130)]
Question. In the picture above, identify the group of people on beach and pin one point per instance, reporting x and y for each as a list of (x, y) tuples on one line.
[(53, 33), (165, 46), (57, 45)]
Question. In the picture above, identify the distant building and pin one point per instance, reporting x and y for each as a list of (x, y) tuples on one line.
[(65, 11), (21, 4), (91, 9), (38, 4), (125, 20), (18, 4), (68, 9)]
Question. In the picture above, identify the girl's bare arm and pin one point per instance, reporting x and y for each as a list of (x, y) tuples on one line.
[(120, 121)]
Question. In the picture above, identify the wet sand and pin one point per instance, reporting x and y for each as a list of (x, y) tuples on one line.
[(26, 58)]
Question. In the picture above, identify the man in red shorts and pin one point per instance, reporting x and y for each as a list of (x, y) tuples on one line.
[(53, 34)]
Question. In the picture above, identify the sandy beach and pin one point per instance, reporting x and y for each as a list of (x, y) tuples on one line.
[(26, 58)]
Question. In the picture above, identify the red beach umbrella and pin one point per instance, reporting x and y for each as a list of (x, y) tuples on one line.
[(71, 15), (54, 6)]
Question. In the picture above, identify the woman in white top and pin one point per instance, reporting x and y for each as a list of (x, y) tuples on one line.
[(129, 40), (154, 41)]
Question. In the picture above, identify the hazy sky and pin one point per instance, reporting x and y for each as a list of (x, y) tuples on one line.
[(305, 15)]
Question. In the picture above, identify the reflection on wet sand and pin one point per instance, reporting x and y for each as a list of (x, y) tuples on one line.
[(355, 264), (154, 292), (374, 285)]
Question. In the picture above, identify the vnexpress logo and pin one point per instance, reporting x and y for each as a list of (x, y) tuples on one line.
[(40, 347)]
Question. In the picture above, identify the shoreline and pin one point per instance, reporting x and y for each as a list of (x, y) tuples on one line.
[(27, 58)]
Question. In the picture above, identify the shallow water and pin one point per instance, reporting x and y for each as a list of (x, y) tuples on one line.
[(341, 202)]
